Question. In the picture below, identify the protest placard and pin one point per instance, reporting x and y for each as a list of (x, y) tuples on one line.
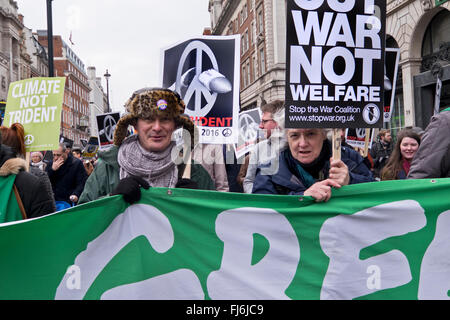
[(36, 104), (335, 63), (106, 124), (205, 72)]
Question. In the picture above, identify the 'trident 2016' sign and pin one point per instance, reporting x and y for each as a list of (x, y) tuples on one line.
[(335, 63)]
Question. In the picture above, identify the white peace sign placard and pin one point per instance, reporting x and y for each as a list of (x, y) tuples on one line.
[(109, 124), (247, 126), (196, 89)]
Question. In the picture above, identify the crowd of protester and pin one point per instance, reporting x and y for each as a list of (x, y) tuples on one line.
[(284, 161)]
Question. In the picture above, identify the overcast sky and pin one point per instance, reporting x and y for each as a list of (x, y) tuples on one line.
[(125, 37)]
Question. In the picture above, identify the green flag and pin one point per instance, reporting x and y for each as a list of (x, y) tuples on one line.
[(9, 209), (381, 240), (36, 103)]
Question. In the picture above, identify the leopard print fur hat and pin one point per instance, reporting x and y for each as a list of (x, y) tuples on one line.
[(148, 103)]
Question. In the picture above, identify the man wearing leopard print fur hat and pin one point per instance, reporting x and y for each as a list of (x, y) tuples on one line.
[(146, 158)]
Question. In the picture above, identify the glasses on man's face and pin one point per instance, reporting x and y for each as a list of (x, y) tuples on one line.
[(57, 155), (265, 121)]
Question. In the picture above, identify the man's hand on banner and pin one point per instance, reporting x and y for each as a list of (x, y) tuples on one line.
[(130, 188)]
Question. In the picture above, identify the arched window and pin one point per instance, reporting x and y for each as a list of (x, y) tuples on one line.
[(437, 33)]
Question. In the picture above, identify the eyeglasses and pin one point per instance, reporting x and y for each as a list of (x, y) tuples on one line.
[(265, 121)]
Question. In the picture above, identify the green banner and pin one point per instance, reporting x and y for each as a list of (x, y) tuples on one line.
[(439, 2), (381, 240), (36, 103), (9, 209)]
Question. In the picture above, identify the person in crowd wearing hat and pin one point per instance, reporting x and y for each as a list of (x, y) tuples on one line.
[(433, 157), (34, 198), (67, 175), (306, 167), (147, 158), (399, 163), (272, 122), (37, 160)]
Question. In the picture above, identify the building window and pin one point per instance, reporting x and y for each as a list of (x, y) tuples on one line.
[(262, 62), (260, 21), (438, 32), (244, 77), (249, 80), (255, 67), (230, 28), (253, 32), (244, 42)]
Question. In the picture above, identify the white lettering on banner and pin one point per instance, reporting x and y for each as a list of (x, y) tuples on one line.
[(137, 220), (314, 93), (33, 115), (34, 88), (270, 277), (434, 283), (346, 276), (336, 5), (180, 284), (328, 63)]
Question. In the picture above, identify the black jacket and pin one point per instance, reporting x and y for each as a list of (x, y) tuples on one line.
[(68, 180), (37, 201)]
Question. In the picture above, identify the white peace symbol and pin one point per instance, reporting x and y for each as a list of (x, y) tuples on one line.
[(247, 128), (109, 125), (29, 139), (196, 89)]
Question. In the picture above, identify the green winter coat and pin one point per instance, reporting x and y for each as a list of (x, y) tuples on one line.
[(105, 177)]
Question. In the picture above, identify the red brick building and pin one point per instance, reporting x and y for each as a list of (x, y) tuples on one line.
[(75, 110)]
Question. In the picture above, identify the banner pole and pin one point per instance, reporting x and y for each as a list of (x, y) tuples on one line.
[(337, 144), (366, 142), (27, 159), (187, 169)]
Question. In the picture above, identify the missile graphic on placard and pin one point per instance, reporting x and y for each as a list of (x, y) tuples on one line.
[(213, 80)]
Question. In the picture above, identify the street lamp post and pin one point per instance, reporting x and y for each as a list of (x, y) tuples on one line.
[(107, 76), (50, 38)]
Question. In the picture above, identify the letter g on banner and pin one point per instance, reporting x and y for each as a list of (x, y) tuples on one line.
[(137, 220)]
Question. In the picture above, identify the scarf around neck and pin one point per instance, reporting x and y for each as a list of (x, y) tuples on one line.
[(157, 168), (314, 171)]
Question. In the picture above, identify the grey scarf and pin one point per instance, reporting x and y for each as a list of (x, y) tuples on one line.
[(155, 167)]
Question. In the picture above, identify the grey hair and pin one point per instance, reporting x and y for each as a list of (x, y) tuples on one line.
[(63, 147)]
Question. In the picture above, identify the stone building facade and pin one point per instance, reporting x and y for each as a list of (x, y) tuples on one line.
[(10, 39), (261, 24), (97, 99), (21, 55), (419, 28)]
